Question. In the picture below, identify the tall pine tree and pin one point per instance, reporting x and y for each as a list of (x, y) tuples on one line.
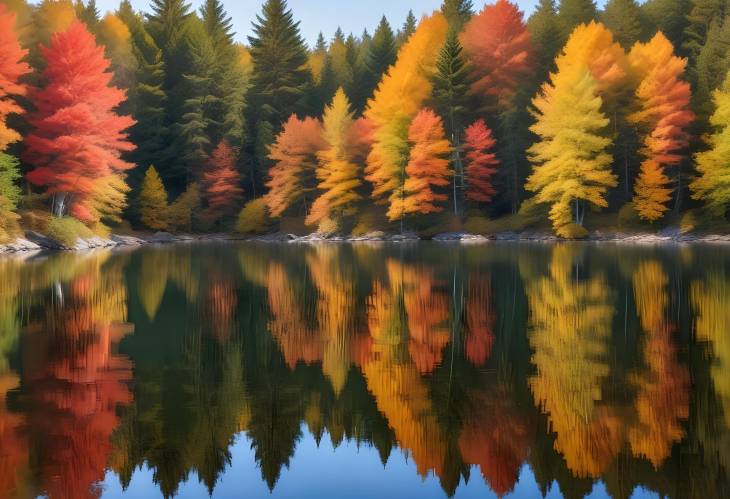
[(625, 19), (545, 32), (457, 13), (571, 13)]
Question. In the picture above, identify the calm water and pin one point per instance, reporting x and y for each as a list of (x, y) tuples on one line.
[(357, 371)]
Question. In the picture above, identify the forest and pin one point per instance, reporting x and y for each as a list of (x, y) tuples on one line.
[(472, 118)]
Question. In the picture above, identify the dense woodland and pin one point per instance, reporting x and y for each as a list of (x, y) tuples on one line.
[(469, 118)]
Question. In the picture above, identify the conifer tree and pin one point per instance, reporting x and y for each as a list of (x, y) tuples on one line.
[(408, 28), (701, 15), (572, 13), (427, 170), (221, 183), (115, 36), (457, 13), (652, 191), (279, 77), (381, 55), (663, 114), (337, 171), (481, 162), (152, 201), (667, 16), (184, 212), (625, 20), (147, 97), (712, 185), (451, 102), (78, 139), (713, 63), (338, 55), (545, 32), (571, 165)]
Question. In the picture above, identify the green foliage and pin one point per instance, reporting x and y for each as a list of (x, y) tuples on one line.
[(571, 13), (66, 230), (544, 28), (667, 16), (701, 16), (626, 20), (381, 54), (713, 63), (408, 28), (457, 12), (9, 175), (451, 86), (9, 227), (253, 218)]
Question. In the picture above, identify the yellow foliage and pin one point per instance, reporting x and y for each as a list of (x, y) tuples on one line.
[(337, 172), (571, 165), (52, 16), (398, 98), (651, 192), (253, 218), (183, 212), (153, 201)]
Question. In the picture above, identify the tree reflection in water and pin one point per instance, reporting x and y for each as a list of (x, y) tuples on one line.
[(584, 363)]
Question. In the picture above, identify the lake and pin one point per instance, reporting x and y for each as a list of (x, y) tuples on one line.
[(354, 371)]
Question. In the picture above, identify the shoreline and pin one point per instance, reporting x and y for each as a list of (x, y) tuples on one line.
[(36, 243)]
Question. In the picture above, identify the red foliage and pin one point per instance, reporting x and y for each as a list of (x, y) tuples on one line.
[(221, 182), (479, 321), (497, 43), (11, 70), (360, 137), (481, 164), (78, 138)]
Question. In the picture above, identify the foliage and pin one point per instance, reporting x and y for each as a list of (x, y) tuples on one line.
[(713, 165), (66, 230), (571, 165), (12, 69), (253, 218), (481, 162), (625, 20), (9, 175), (152, 201), (498, 45), (184, 212), (78, 139), (427, 169), (221, 183), (651, 192), (8, 220)]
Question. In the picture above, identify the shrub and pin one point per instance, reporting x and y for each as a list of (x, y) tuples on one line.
[(253, 218), (67, 230), (573, 231), (185, 210), (9, 228)]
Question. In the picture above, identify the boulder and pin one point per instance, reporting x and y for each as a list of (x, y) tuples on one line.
[(120, 240), (43, 241)]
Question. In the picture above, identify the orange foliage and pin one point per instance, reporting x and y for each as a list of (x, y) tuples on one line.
[(12, 69), (428, 167), (14, 454), (499, 49), (222, 301), (295, 153), (221, 183), (481, 163)]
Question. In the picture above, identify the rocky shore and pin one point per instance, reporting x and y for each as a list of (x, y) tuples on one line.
[(34, 242)]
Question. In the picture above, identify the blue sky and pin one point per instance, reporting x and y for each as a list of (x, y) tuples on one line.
[(325, 15)]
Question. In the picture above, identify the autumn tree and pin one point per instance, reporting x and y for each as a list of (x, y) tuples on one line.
[(712, 186), (77, 139), (116, 37), (498, 46), (571, 165), (292, 178), (428, 167), (337, 171), (664, 115), (221, 183), (481, 163), (12, 69), (152, 201), (397, 100)]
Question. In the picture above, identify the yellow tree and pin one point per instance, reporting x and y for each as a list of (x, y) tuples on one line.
[(427, 169), (571, 167), (117, 40), (570, 323), (152, 201), (337, 171), (663, 115), (713, 165), (398, 98)]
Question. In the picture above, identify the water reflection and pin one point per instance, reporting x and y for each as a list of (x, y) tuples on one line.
[(588, 368)]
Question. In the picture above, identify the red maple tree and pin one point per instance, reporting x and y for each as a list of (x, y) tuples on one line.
[(77, 138), (481, 163), (221, 183), (11, 70)]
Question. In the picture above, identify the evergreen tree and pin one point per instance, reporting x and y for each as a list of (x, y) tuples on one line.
[(88, 14), (625, 19), (340, 60), (712, 186), (451, 102), (409, 27), (701, 16), (146, 98), (544, 28), (152, 201), (713, 62), (9, 176), (381, 55), (279, 78), (667, 16), (360, 88), (457, 13), (571, 13)]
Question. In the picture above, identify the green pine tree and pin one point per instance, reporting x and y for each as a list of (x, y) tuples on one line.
[(280, 78), (457, 12), (451, 101), (626, 20), (9, 176), (88, 13), (381, 55), (713, 61), (667, 16), (701, 16), (545, 31), (358, 91), (571, 13), (409, 27)]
